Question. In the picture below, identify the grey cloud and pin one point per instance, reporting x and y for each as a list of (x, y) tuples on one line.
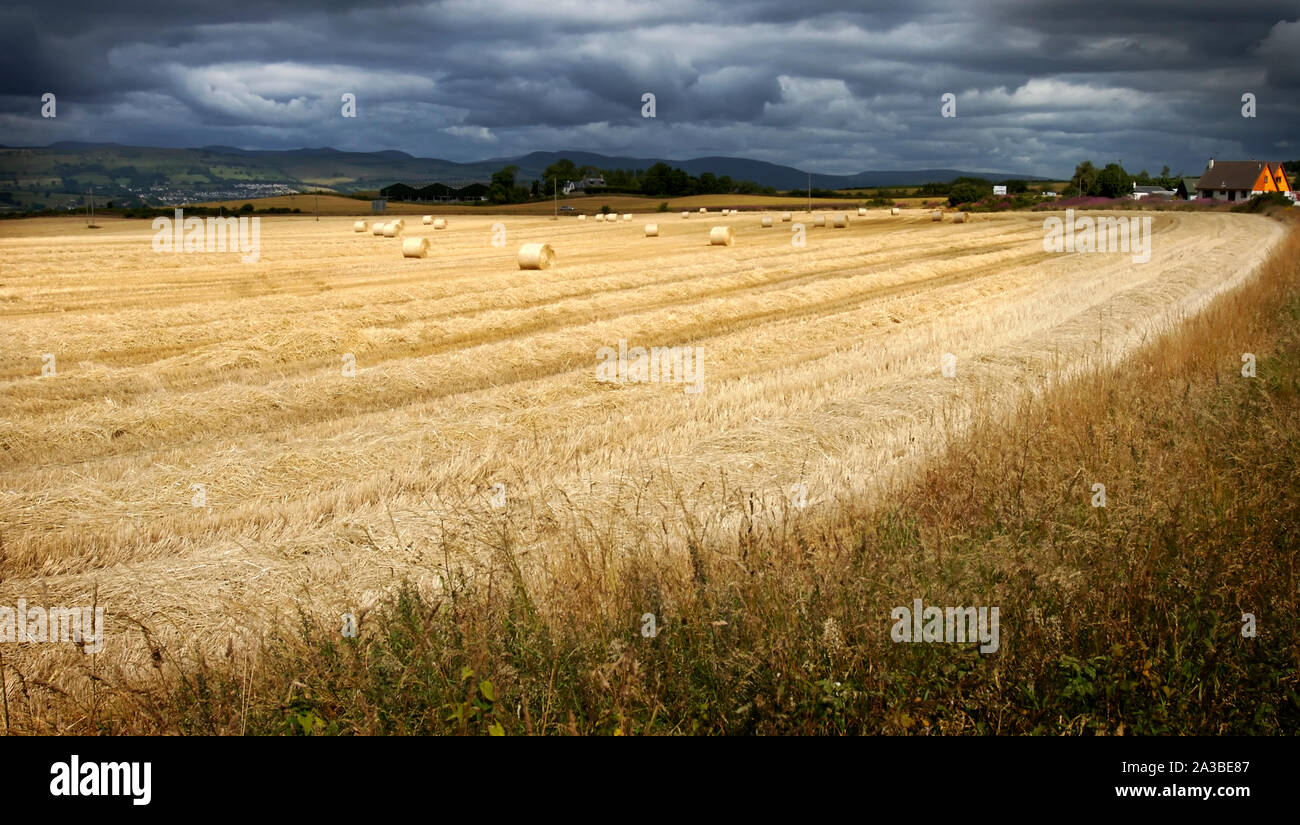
[(835, 86)]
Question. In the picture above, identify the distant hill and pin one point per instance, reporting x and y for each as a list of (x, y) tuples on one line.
[(761, 172), (163, 175)]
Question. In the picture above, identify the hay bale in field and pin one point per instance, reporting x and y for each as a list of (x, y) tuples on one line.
[(377, 228), (415, 248), (785, 217), (359, 226), (652, 230), (895, 211), (936, 215), (627, 216), (721, 236), (393, 229), (961, 217), (819, 220), (600, 217), (582, 217), (428, 219), (862, 211), (767, 220), (536, 256), (686, 214), (439, 223), (840, 221), (703, 210)]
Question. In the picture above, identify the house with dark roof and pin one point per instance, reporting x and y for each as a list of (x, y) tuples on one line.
[(1239, 180), (1186, 189), (583, 185)]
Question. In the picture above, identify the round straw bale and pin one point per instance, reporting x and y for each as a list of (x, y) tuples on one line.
[(840, 221), (785, 217), (428, 219), (627, 216), (415, 248), (600, 216), (767, 220), (936, 215), (439, 223), (721, 236), (377, 228), (819, 220), (862, 211), (582, 217), (703, 210), (392, 229), (536, 256), (686, 214), (961, 217), (359, 226), (895, 211), (652, 230)]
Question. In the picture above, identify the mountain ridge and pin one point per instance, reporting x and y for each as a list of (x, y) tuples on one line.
[(217, 171)]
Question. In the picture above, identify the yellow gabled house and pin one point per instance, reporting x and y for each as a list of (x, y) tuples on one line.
[(1238, 180)]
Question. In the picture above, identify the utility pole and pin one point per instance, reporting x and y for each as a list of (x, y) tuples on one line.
[(555, 190), (810, 190), (90, 223), (316, 199)]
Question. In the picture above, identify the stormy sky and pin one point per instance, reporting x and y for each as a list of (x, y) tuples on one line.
[(830, 86)]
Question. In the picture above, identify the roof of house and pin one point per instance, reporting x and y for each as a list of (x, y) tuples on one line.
[(1232, 174), (1152, 190), (1189, 183), (1280, 173)]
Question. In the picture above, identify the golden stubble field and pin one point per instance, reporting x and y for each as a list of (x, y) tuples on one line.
[(821, 368)]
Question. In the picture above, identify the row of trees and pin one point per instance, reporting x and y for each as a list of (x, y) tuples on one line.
[(1113, 181), (660, 179)]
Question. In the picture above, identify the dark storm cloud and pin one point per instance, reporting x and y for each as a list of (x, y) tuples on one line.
[(834, 86)]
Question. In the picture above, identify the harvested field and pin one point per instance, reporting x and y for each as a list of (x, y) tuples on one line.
[(820, 366)]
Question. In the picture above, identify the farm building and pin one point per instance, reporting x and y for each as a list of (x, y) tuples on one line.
[(398, 192), (1239, 180), (472, 192), (435, 192), (1140, 192)]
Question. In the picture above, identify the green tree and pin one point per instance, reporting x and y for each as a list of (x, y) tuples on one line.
[(1085, 178), (969, 190), (657, 180), (502, 188), (1114, 182), (562, 170)]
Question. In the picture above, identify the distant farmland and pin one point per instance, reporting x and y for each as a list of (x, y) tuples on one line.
[(339, 205)]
